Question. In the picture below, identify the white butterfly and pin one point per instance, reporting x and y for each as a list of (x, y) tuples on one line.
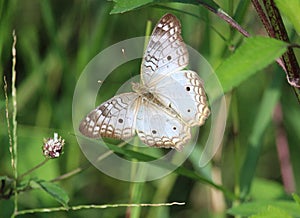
[(164, 105)]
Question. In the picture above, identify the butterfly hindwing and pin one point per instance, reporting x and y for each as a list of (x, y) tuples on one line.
[(156, 127), (183, 92), (114, 118)]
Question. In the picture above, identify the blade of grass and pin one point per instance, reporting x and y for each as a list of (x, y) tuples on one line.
[(237, 146), (180, 170), (263, 118), (136, 188), (241, 10), (136, 195), (164, 187)]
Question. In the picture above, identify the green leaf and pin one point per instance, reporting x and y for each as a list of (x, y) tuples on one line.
[(122, 6), (272, 212), (55, 191), (248, 209), (263, 189), (296, 198), (290, 8), (255, 54)]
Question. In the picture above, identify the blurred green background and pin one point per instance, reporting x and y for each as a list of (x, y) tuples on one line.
[(55, 41)]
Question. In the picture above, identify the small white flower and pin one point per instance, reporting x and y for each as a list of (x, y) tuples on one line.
[(53, 147)]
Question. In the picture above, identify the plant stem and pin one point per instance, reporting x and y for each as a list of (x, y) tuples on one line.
[(264, 19), (7, 119), (32, 169), (224, 16), (80, 207), (282, 146), (14, 160), (71, 173), (289, 58)]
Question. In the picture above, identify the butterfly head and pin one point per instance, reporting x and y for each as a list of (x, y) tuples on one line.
[(139, 88)]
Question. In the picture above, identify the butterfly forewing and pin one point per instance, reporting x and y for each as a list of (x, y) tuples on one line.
[(114, 118), (166, 51)]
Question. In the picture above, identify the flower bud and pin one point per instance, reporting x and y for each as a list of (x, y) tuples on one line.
[(53, 147)]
